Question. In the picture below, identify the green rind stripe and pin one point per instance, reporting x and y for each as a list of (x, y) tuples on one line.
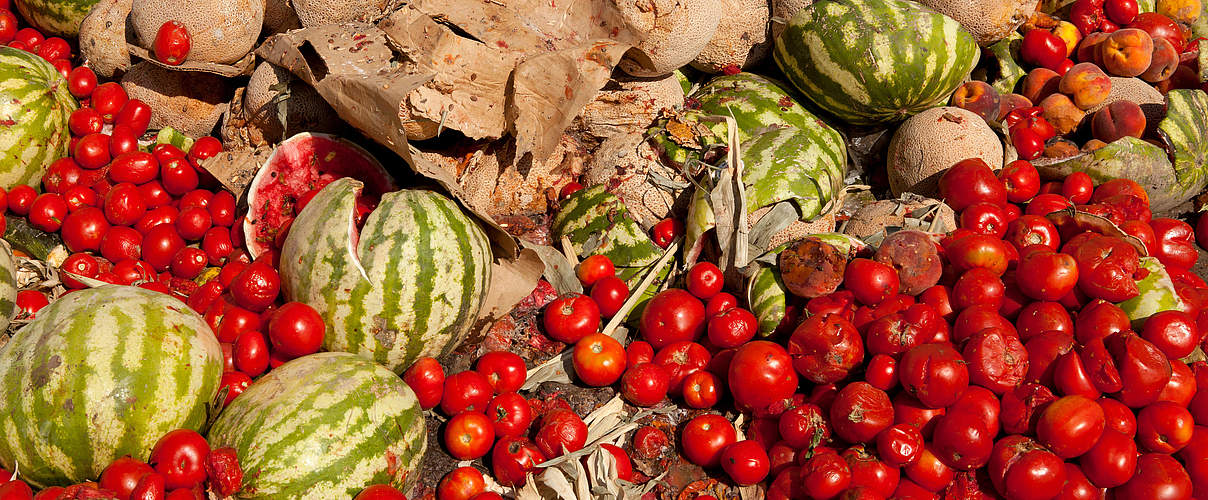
[(53, 17), (34, 107), (768, 297), (595, 211), (323, 426), (874, 61), (8, 285), (411, 287), (102, 373)]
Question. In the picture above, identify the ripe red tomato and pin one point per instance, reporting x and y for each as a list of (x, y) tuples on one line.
[(504, 370), (1099, 319), (623, 463), (870, 281), (638, 351), (977, 286), (29, 302), (512, 458), (62, 175), (681, 358), (16, 490), (760, 376), (1043, 48), (996, 359), (561, 431), (704, 437), (204, 147), (192, 223), (701, 389), (1176, 242), (859, 412), (929, 472), (599, 360), (978, 250), (469, 435), (254, 288), (188, 262), (571, 317), (380, 492), (1078, 187), (465, 391), (1164, 427), (47, 212), (609, 294), (720, 303), (510, 414), (80, 264), (962, 440), (1020, 468), (732, 328), (882, 372), (85, 121), (121, 243), (1039, 317), (123, 475), (745, 462), (180, 457), (1021, 181), (1157, 477), (666, 231), (985, 218), (670, 316), (705, 280), (1070, 426), (20, 199), (900, 445), (594, 269), (251, 353), (172, 43), (826, 348), (108, 98), (970, 181), (935, 374), (235, 383), (645, 384), (160, 244), (150, 487), (1143, 369), (1174, 332), (461, 483), (1182, 385), (425, 377), (804, 426), (81, 81), (825, 475)]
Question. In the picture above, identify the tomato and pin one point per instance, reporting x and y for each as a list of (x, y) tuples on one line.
[(971, 181), (701, 389), (425, 377), (233, 320), (594, 268), (1037, 318), (571, 317), (977, 286), (469, 435), (1020, 468), (1176, 243), (621, 458), (1159, 26), (123, 474), (1032, 230), (561, 431), (235, 382), (650, 442), (745, 462), (1098, 320), (504, 370), (720, 303), (609, 294), (81, 81), (804, 426), (1173, 332), (1047, 276), (1164, 427), (121, 243), (870, 281), (882, 372), (1021, 181), (985, 218), (996, 359), (645, 384), (681, 358), (705, 280), (461, 483), (1143, 369), (672, 315), (933, 373), (982, 403), (1021, 407), (150, 487), (962, 440), (80, 264), (638, 351), (47, 212), (1182, 386), (85, 121), (256, 287), (1070, 425), (1111, 461), (16, 490), (192, 223), (929, 472), (180, 457), (666, 231), (188, 262), (1043, 48), (510, 414), (825, 348), (978, 250), (1157, 477), (732, 328), (704, 437), (251, 353), (859, 412), (1043, 351), (900, 445), (465, 391), (761, 376), (1077, 187), (599, 360), (172, 43), (378, 491)]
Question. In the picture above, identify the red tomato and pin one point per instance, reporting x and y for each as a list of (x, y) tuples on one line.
[(900, 445), (705, 280), (882, 372), (870, 281), (701, 389), (933, 373), (859, 412), (235, 383), (256, 287), (1021, 468), (504, 370), (1111, 461), (512, 458), (745, 462), (108, 98), (47, 212), (1043, 48), (1174, 332), (1164, 427), (996, 359), (977, 286), (1078, 187), (649, 442), (251, 353), (666, 231), (461, 483), (561, 431), (1039, 317), (1030, 230), (760, 376), (732, 328), (1047, 203), (16, 490), (623, 463), (672, 315), (681, 358), (825, 475), (465, 391), (80, 264), (594, 269), (1176, 242), (1157, 477), (20, 199), (188, 262), (638, 351), (62, 175), (571, 317), (172, 43), (469, 435), (982, 403), (985, 218), (1182, 386), (825, 348), (80, 82), (609, 294), (962, 440), (704, 437), (1159, 26), (510, 414), (599, 360), (970, 181), (85, 121), (720, 303), (192, 223), (150, 487), (645, 384), (180, 457), (380, 492), (978, 250), (1021, 181), (123, 475), (1070, 426)]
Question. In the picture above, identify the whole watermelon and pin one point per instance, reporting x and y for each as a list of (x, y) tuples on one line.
[(34, 107), (323, 426), (875, 61), (409, 285), (55, 17), (99, 374)]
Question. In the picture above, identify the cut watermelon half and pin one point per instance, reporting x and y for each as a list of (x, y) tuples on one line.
[(299, 165)]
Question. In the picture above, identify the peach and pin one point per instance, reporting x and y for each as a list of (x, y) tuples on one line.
[(1086, 84), (1127, 52), (1163, 62), (1183, 78), (1061, 112), (1012, 102), (1088, 49), (978, 97), (1039, 84), (1093, 145), (1069, 34), (1119, 119), (1060, 148)]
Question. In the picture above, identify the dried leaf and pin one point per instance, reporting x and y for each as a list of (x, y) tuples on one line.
[(555, 369), (728, 199), (781, 216), (241, 67), (559, 271)]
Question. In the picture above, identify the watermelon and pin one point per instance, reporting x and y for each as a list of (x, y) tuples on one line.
[(875, 61), (597, 222), (755, 102), (323, 426), (55, 17), (34, 107), (1157, 294), (99, 374), (409, 285), (8, 285), (298, 165)]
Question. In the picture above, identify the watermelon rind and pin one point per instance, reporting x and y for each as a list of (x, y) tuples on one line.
[(34, 107), (55, 17), (409, 285), (323, 426), (99, 374), (8, 285), (870, 62)]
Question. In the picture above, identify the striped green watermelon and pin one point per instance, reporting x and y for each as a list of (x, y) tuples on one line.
[(55, 17), (99, 374), (875, 61), (597, 222), (321, 427), (409, 285), (34, 107), (8, 285), (755, 102), (768, 296)]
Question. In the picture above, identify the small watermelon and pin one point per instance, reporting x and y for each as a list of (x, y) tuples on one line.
[(55, 17), (34, 107), (321, 427), (99, 374), (875, 61), (410, 284)]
